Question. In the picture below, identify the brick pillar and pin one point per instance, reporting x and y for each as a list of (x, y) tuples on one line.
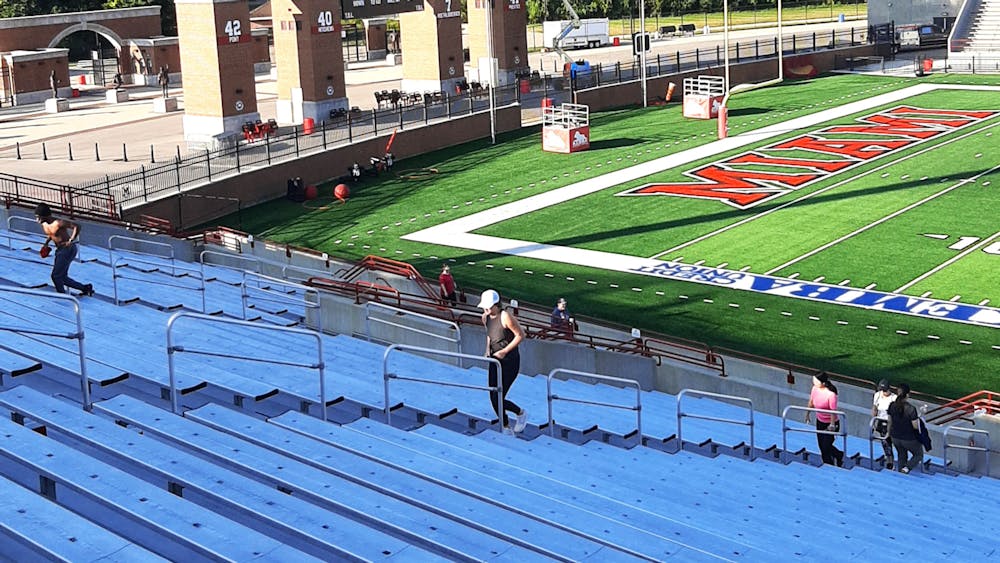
[(216, 54), (375, 39), (431, 41), (510, 38), (309, 56)]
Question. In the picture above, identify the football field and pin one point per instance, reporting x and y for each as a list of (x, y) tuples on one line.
[(848, 223)]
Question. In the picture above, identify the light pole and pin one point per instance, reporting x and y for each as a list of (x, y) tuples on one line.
[(493, 71), (642, 49)]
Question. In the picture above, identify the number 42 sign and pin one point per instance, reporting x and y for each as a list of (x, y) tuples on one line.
[(232, 32)]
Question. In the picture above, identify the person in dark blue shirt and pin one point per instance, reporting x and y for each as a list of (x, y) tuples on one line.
[(561, 318)]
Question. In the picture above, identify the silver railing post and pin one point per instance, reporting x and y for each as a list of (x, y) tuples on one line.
[(705, 394), (550, 396), (387, 375)]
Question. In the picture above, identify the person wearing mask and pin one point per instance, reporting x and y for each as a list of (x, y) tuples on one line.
[(824, 396), (880, 410), (503, 335), (903, 428)]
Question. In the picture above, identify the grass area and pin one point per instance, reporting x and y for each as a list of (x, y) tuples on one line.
[(479, 176), (791, 13)]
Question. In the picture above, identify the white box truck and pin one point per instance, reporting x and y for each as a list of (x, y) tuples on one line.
[(591, 33)]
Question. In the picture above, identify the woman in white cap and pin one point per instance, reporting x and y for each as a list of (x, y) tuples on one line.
[(503, 335)]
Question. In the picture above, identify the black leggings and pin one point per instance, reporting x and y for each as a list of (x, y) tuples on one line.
[(509, 366), (830, 454)]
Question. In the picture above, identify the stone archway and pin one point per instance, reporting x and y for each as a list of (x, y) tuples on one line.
[(109, 34)]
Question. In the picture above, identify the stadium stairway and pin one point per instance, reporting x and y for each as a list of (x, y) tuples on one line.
[(354, 377), (438, 494)]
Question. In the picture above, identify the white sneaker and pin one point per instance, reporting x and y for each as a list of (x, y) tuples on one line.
[(521, 421), (508, 431)]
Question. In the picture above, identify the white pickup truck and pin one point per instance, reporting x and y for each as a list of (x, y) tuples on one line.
[(591, 33)]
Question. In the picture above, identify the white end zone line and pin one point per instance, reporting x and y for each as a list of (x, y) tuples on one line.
[(458, 233)]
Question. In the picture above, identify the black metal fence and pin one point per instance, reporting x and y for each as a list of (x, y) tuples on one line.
[(106, 196)]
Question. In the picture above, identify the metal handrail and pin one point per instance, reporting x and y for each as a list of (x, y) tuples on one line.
[(285, 269), (246, 258), (369, 305), (974, 448), (872, 436), (785, 429), (695, 393), (122, 261), (387, 375), (279, 297), (78, 335), (142, 242), (171, 349), (550, 396)]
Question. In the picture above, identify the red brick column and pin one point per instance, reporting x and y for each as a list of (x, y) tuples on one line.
[(216, 52), (308, 51), (431, 41), (510, 38)]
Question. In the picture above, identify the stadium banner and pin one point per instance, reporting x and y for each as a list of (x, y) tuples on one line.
[(812, 291)]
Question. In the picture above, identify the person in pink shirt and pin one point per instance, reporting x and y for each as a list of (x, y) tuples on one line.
[(824, 396)]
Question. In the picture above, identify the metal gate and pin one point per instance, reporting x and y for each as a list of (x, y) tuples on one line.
[(6, 88), (354, 42), (104, 65)]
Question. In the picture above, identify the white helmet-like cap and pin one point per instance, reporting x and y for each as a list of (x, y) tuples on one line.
[(488, 299)]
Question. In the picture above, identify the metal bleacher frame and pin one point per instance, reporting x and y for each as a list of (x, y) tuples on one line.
[(695, 393), (120, 262), (78, 335), (172, 349), (970, 447), (396, 311), (551, 397), (785, 429), (267, 293), (387, 375)]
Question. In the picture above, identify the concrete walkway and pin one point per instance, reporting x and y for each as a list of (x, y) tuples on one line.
[(95, 138)]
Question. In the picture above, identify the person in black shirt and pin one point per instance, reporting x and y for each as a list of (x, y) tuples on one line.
[(903, 428)]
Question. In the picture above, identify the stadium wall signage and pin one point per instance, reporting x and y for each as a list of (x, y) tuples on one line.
[(783, 287), (735, 181)]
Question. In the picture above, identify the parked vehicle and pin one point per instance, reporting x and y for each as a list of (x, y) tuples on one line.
[(591, 33), (924, 36)]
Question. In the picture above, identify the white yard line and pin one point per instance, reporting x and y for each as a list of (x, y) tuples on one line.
[(947, 263), (892, 215)]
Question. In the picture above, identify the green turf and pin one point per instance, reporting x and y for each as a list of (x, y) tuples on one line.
[(932, 355)]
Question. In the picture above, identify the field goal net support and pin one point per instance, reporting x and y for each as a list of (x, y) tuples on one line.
[(566, 128)]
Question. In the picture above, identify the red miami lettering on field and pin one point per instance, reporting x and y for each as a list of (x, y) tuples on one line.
[(727, 182)]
